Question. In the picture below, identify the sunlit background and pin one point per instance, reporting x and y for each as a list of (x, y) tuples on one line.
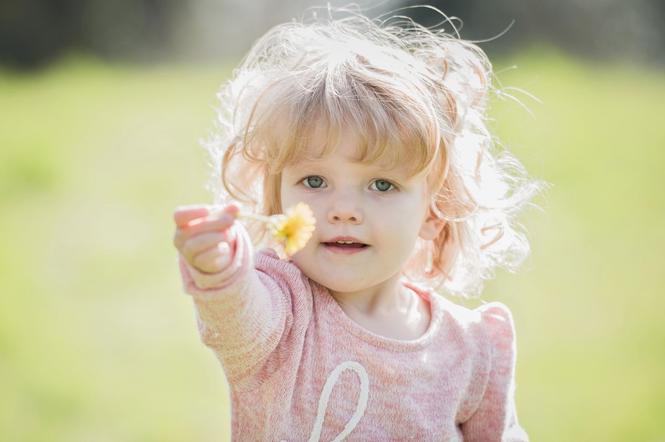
[(102, 106)]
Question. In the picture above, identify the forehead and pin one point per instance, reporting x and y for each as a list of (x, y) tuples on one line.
[(348, 148)]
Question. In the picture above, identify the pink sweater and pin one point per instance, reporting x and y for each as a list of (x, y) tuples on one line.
[(299, 369)]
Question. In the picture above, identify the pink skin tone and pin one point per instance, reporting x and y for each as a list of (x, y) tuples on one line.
[(379, 207), (204, 239)]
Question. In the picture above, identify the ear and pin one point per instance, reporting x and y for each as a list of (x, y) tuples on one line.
[(431, 226)]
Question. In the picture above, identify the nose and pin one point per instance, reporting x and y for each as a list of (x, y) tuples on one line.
[(345, 211)]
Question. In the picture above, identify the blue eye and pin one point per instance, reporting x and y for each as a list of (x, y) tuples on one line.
[(313, 181), (383, 185)]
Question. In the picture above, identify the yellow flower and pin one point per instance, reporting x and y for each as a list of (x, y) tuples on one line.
[(294, 228), (291, 230)]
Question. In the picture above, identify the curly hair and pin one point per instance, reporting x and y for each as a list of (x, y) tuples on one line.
[(412, 95)]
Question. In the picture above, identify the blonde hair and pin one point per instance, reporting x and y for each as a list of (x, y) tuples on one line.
[(412, 95)]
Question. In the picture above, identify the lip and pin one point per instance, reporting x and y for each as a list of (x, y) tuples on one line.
[(344, 250), (345, 238)]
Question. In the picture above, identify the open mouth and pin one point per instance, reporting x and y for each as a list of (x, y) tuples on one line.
[(354, 245), (340, 247)]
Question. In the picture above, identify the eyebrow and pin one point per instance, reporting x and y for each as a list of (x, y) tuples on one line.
[(394, 173), (322, 163)]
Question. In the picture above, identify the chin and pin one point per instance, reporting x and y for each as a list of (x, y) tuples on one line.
[(343, 283), (334, 282), (346, 290), (341, 286)]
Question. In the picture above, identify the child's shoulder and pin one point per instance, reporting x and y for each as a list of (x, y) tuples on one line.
[(492, 321), (496, 321), (495, 315)]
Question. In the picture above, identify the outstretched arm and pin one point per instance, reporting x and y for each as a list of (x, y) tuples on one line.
[(240, 312)]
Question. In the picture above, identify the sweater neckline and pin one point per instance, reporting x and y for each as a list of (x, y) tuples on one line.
[(341, 318)]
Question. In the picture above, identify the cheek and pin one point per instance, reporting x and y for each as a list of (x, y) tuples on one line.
[(406, 219), (400, 221), (405, 209), (316, 202), (289, 197)]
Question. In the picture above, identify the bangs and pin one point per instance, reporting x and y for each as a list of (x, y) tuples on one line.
[(391, 129)]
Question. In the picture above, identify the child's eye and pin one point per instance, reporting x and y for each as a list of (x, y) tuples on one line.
[(313, 181), (383, 185)]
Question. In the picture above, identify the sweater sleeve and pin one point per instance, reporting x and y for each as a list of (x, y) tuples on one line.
[(238, 317), (495, 419)]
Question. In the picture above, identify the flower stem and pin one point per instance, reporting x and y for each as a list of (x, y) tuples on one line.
[(265, 219), (246, 215)]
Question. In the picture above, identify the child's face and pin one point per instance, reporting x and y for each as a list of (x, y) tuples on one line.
[(379, 207)]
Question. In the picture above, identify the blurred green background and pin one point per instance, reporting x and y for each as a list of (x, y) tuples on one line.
[(98, 342)]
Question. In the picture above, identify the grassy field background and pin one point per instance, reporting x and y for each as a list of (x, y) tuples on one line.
[(99, 342)]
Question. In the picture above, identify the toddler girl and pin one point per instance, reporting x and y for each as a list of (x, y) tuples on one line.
[(378, 126)]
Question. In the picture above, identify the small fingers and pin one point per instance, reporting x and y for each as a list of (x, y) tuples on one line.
[(185, 214), (207, 225), (217, 212), (200, 243)]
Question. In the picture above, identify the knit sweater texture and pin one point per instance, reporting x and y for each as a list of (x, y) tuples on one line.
[(299, 369)]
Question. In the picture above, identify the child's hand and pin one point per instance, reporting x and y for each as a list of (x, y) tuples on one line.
[(203, 238)]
